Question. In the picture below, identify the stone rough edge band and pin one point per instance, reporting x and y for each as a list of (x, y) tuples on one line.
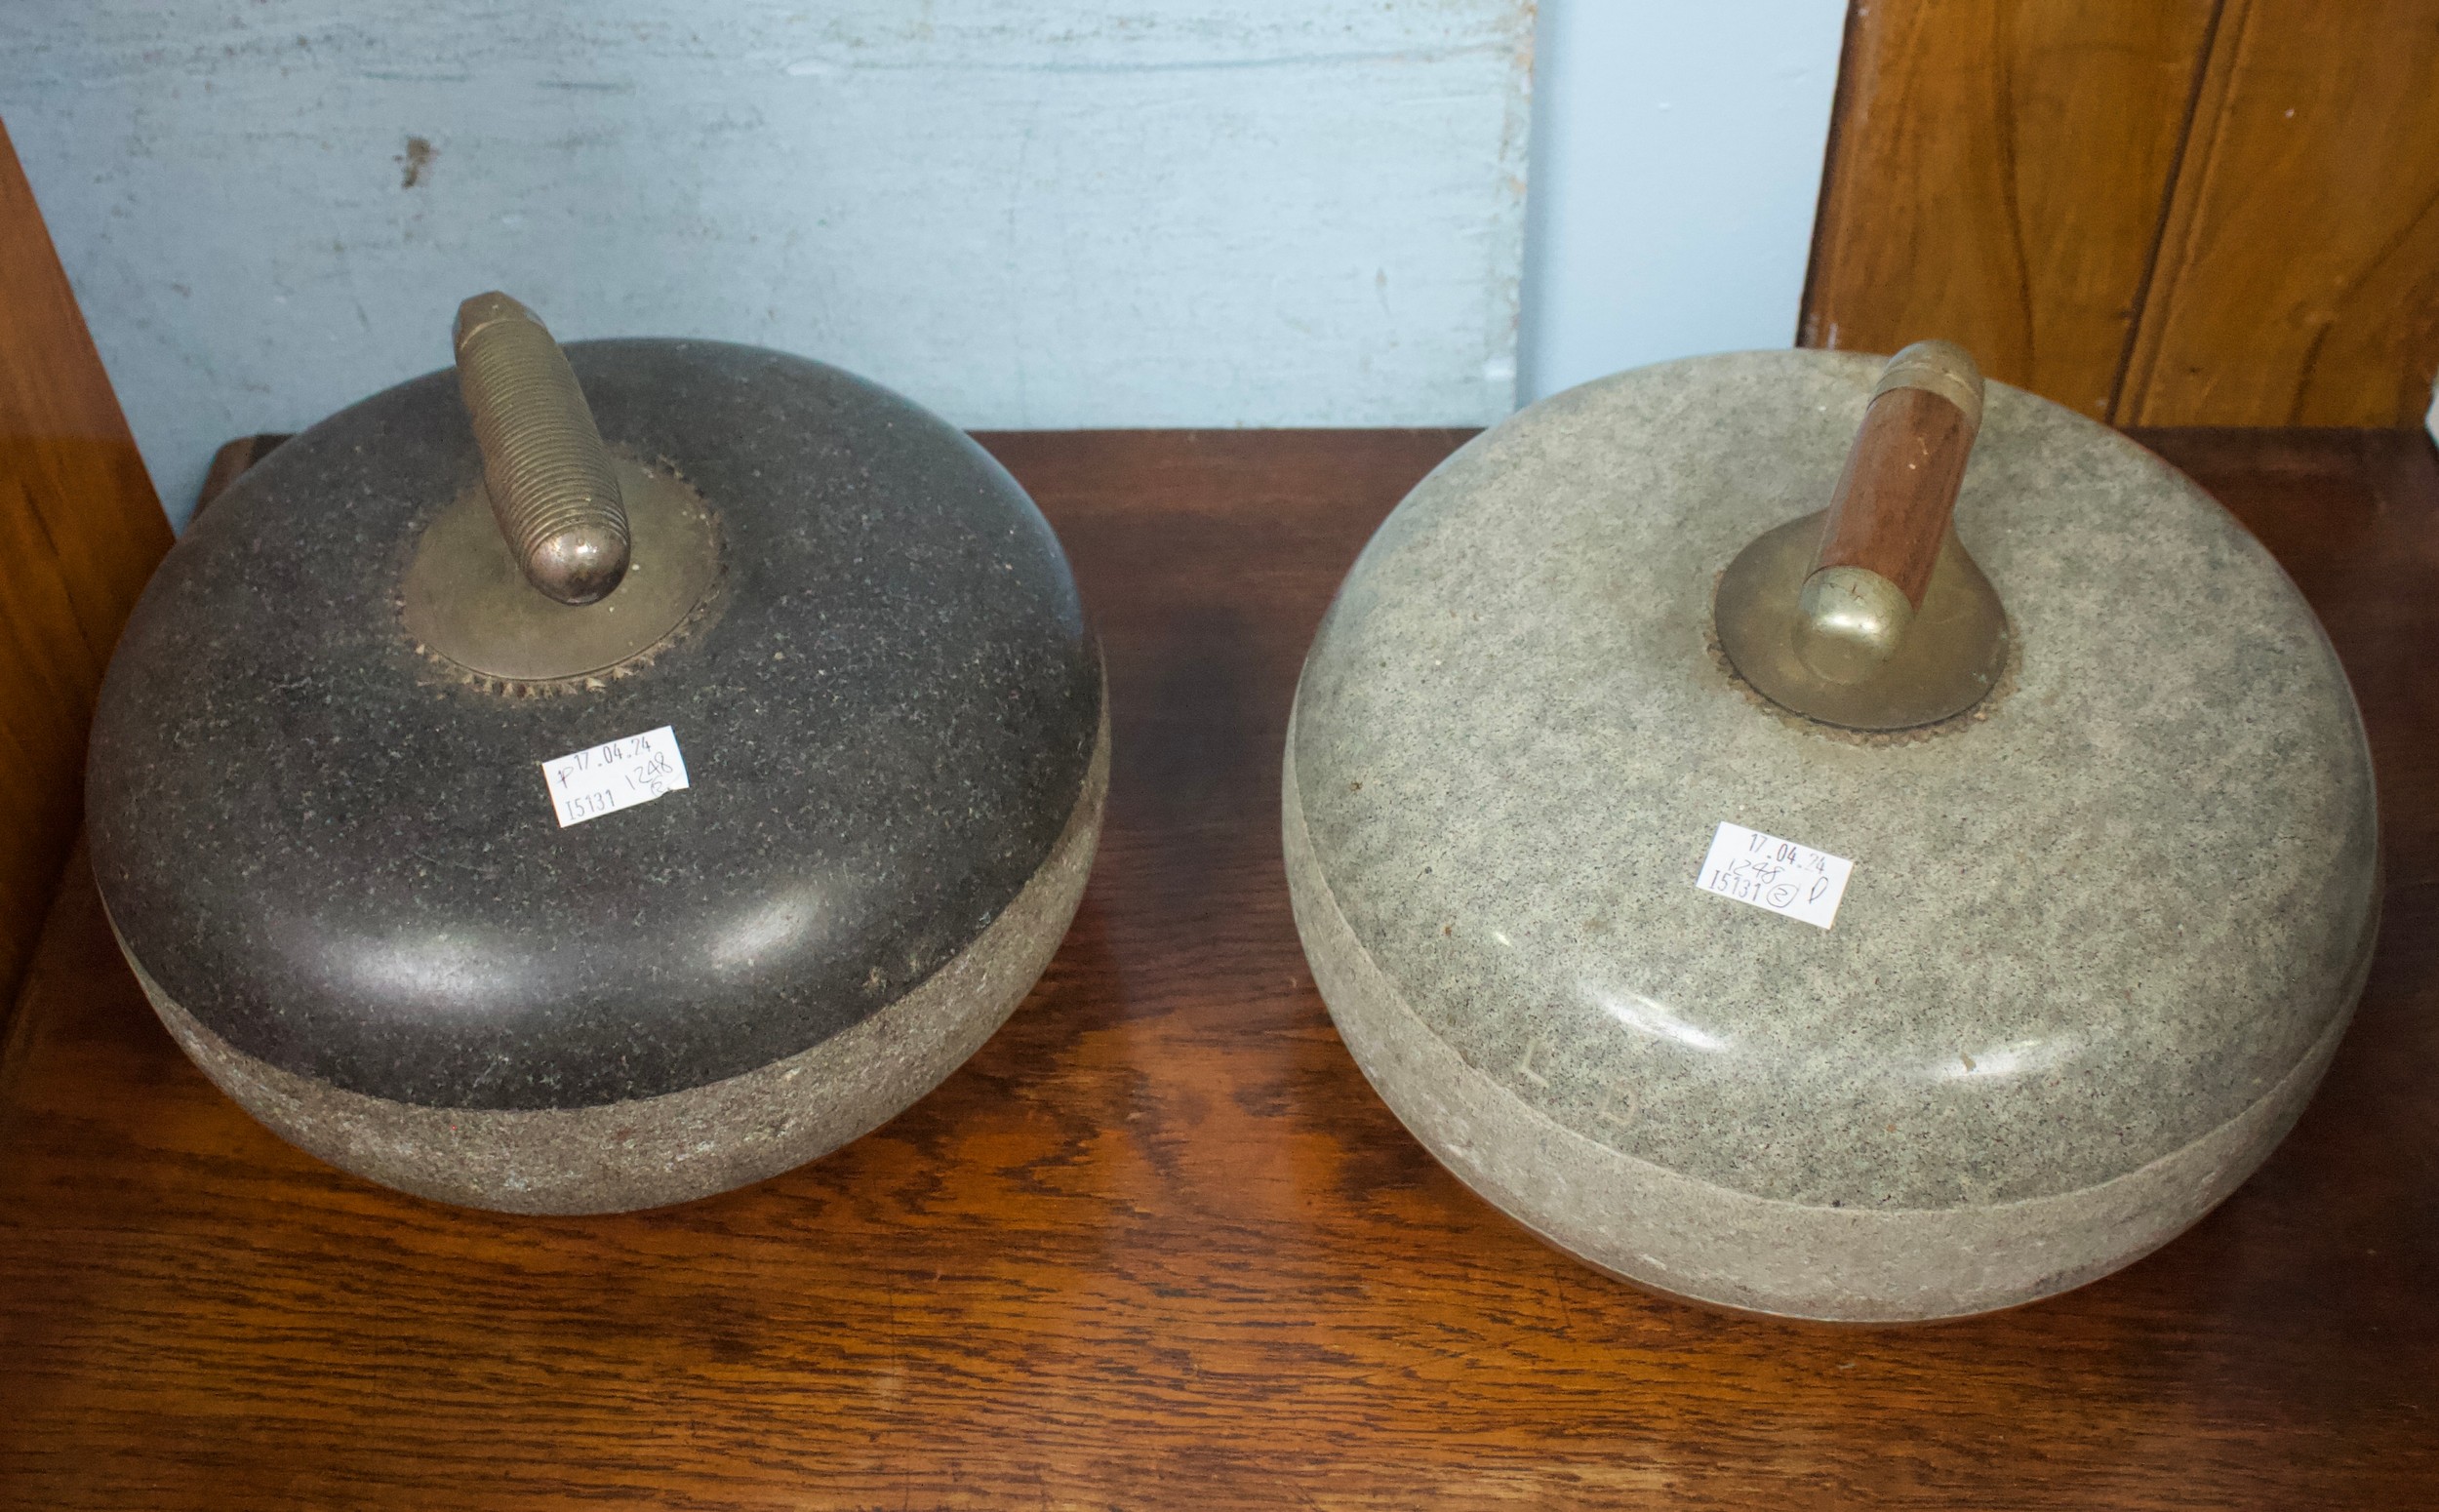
[(681, 1145), (1648, 1224)]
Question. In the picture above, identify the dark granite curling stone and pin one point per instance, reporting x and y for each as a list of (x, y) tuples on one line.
[(2052, 881), (843, 756)]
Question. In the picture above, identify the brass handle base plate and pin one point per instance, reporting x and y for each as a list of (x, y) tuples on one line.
[(468, 600), (1952, 655)]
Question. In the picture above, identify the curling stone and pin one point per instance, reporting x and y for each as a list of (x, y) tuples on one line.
[(594, 779), (1830, 912)]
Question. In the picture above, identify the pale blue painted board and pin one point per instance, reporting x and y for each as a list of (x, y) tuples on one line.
[(1054, 214), (1676, 167)]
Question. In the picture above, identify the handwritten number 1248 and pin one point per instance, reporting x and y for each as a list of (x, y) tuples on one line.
[(646, 775)]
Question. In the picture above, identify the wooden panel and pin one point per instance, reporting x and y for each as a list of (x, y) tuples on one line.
[(1158, 1244), (2299, 280), (1997, 170), (80, 531)]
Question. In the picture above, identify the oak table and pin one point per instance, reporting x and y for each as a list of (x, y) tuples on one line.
[(1158, 1244)]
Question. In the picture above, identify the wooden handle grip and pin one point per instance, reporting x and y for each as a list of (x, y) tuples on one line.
[(1892, 505)]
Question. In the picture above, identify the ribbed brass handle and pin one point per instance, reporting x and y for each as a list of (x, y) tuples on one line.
[(1890, 512), (551, 486)]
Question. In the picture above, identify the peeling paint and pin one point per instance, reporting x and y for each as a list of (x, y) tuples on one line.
[(417, 156)]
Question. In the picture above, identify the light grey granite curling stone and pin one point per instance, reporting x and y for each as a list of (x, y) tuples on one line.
[(586, 782), (2102, 931)]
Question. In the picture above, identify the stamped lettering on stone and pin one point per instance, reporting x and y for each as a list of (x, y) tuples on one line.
[(614, 774), (1776, 874)]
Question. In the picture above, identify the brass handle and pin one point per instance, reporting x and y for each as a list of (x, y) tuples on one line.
[(549, 475), (1890, 512)]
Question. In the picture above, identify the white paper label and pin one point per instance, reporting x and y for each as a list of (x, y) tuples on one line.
[(1776, 874), (614, 774)]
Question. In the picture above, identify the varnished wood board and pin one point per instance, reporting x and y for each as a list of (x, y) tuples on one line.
[(80, 531), (2298, 283), (1996, 177)]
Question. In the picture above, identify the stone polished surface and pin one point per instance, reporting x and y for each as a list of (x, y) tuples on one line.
[(1645, 1222), (2082, 933), (336, 854), (649, 1152)]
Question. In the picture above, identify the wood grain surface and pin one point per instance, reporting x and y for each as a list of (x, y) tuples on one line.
[(1890, 507), (80, 531), (1997, 174), (2298, 283), (1158, 1244)]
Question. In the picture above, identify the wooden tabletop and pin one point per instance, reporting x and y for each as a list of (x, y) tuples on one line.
[(1158, 1244)]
